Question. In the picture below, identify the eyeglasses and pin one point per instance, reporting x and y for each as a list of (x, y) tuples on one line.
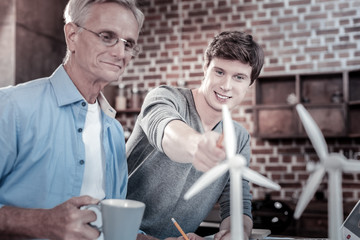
[(110, 39)]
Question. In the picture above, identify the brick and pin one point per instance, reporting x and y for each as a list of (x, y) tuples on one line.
[(172, 15), (315, 16), (289, 176), (353, 62), (141, 63), (235, 25), (150, 47), (275, 168), (298, 168), (172, 76), (132, 78), (305, 34), (222, 10), (294, 19), (273, 60), (156, 17), (316, 49), (289, 51), (248, 8), (198, 74), (352, 29), (345, 55), (301, 67), (262, 151), (289, 150), (274, 13), (299, 2), (327, 32), (261, 22), (344, 39), (164, 31), (274, 69), (152, 77), (171, 46), (294, 185), (210, 27), (198, 13), (164, 61), (273, 5), (329, 56), (344, 14), (345, 46), (189, 29)]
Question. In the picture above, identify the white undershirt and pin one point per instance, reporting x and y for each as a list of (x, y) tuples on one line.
[(93, 182)]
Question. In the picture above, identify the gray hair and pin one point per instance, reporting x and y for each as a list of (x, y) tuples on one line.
[(76, 11)]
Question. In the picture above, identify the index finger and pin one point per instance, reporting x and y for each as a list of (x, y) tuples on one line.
[(83, 200)]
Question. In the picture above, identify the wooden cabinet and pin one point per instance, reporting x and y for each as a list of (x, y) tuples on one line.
[(354, 103), (333, 100)]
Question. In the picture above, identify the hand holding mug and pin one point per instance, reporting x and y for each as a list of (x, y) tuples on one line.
[(118, 218)]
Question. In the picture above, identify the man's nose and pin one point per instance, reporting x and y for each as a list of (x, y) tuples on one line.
[(226, 84)]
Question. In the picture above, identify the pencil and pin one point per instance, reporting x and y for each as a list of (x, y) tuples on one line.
[(179, 228)]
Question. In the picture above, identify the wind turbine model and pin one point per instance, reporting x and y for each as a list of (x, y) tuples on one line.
[(238, 169), (334, 164)]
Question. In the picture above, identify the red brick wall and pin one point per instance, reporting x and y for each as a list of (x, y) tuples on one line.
[(298, 36)]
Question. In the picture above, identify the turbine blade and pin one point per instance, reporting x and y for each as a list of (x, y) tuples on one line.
[(308, 191), (259, 179), (229, 133), (316, 137), (351, 165), (206, 179)]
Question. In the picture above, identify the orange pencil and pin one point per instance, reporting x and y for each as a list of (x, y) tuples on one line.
[(179, 228)]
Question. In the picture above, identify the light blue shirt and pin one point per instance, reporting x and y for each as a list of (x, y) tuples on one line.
[(42, 155)]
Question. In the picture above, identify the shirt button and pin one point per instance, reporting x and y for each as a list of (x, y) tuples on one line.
[(83, 104), (81, 162), (80, 130)]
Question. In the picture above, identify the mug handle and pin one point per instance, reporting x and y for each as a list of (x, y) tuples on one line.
[(96, 208)]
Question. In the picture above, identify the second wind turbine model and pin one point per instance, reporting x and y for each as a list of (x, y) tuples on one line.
[(334, 164)]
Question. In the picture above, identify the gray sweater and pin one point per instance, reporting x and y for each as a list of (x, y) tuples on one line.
[(160, 182)]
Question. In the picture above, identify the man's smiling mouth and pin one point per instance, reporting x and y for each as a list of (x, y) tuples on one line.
[(113, 64), (222, 96)]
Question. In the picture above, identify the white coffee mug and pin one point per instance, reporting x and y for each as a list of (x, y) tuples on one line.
[(118, 218)]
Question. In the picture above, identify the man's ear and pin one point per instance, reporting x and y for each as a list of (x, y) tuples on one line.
[(70, 35), (205, 67)]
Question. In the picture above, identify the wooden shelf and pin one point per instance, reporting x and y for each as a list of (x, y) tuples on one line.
[(129, 110), (332, 99)]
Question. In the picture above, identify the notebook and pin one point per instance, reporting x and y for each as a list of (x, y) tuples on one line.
[(350, 229)]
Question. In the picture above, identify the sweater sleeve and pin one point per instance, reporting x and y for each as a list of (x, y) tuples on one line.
[(160, 107)]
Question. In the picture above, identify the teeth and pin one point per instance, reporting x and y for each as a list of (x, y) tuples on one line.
[(221, 96)]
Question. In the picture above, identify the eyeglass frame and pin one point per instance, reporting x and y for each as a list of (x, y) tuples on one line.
[(134, 51)]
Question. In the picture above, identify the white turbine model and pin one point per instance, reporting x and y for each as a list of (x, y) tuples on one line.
[(238, 169), (334, 164)]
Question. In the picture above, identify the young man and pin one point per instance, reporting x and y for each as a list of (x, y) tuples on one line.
[(174, 141), (61, 147)]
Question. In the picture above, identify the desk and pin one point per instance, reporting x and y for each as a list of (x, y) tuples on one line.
[(274, 238)]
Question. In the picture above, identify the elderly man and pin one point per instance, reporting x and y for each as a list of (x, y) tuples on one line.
[(61, 147)]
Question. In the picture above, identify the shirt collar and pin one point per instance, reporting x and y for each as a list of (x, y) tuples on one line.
[(67, 93), (105, 106)]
